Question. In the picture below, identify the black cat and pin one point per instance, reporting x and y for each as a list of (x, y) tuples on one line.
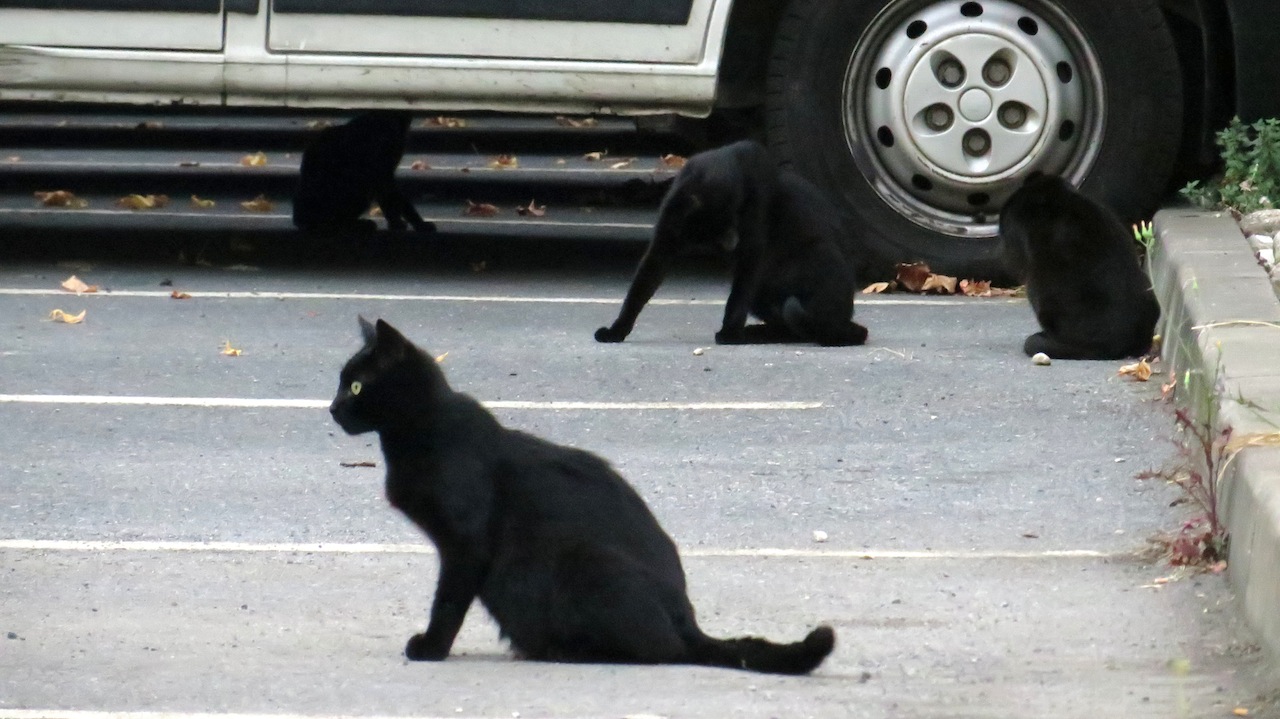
[(560, 550), (1089, 293), (793, 261), (347, 167)]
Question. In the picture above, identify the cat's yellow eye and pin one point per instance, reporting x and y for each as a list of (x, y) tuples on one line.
[(356, 387)]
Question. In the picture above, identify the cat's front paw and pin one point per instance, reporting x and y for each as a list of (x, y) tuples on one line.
[(422, 649), (731, 337), (609, 334)]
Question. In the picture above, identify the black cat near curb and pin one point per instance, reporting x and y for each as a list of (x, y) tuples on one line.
[(1089, 293), (793, 261), (346, 168), (561, 551)]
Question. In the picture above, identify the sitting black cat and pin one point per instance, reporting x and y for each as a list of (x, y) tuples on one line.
[(562, 552), (793, 262), (347, 167), (1090, 295)]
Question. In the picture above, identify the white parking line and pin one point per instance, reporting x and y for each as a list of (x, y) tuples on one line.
[(244, 295), (248, 403), (72, 545)]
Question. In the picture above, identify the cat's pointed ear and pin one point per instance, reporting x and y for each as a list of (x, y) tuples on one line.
[(391, 344), (367, 330)]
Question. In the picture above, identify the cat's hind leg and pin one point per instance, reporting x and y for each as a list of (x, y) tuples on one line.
[(397, 209), (1057, 348)]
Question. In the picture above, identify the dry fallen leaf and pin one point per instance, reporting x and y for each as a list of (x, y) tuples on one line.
[(150, 125), (419, 165), (63, 317), (531, 210), (480, 209), (77, 285), (258, 204), (442, 121), (1140, 370), (940, 284), (595, 156), (504, 162), (674, 161), (560, 161), (142, 202), (575, 122), (440, 358), (257, 159), (375, 211), (365, 463), (624, 163), (975, 288), (14, 158), (1240, 712), (875, 288), (913, 275), (61, 198), (201, 204), (176, 295), (230, 351), (319, 124)]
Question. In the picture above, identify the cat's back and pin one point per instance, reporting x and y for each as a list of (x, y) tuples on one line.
[(571, 493)]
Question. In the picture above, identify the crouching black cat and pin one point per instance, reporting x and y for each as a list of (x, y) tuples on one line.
[(347, 167), (561, 551), (793, 261), (1090, 295)]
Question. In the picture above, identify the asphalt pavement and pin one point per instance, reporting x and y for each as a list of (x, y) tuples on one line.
[(179, 534)]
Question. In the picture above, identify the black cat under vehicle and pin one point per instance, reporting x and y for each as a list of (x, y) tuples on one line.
[(919, 116)]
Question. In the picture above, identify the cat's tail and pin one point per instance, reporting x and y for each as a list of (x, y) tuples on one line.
[(761, 655)]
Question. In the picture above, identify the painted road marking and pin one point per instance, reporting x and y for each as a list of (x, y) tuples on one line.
[(82, 714), (869, 299), (73, 545), (248, 403)]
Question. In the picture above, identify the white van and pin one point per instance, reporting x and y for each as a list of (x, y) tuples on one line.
[(921, 116)]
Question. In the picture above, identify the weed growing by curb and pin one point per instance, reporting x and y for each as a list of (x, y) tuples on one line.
[(1251, 169), (1203, 455)]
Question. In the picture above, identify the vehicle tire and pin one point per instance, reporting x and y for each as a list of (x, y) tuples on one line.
[(922, 116)]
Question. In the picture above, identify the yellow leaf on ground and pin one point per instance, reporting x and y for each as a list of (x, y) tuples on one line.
[(1140, 370), (480, 209), (257, 159), (375, 211), (504, 162), (442, 121), (77, 285), (176, 295), (143, 202), (258, 204), (673, 161), (63, 317), (230, 351), (201, 204), (1240, 712), (440, 358), (620, 165), (419, 165), (574, 122), (875, 288), (595, 156), (975, 288), (941, 284), (531, 210), (61, 198)]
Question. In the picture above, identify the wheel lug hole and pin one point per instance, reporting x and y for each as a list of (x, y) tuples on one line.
[(1013, 115), (996, 72), (950, 73), (976, 143), (938, 117)]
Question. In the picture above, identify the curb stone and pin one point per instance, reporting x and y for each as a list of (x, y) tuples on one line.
[(1221, 330)]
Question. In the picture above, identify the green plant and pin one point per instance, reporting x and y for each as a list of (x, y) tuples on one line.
[(1251, 169), (1144, 235)]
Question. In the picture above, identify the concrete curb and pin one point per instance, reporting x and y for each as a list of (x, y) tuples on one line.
[(1221, 333)]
